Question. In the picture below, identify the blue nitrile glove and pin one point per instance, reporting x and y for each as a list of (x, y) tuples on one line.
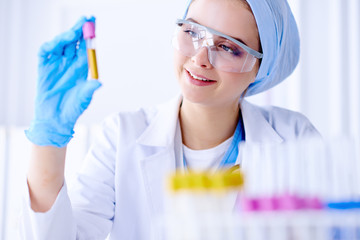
[(63, 91)]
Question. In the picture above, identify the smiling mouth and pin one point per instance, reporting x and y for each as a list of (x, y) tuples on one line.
[(199, 78)]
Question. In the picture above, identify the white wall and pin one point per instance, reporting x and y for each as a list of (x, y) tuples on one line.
[(135, 66)]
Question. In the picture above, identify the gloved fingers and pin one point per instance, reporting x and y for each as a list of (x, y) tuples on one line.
[(79, 100), (70, 50), (78, 25), (75, 54), (89, 88), (56, 47), (86, 93), (78, 67), (81, 49), (54, 71), (75, 75), (68, 73)]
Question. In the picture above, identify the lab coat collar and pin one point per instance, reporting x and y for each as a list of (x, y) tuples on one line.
[(161, 130), (257, 127)]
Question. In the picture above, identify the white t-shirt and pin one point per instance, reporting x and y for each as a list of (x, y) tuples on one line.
[(207, 159)]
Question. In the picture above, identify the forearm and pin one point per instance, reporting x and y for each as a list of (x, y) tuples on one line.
[(45, 176)]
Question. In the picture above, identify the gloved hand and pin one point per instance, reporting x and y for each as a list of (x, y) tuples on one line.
[(63, 91)]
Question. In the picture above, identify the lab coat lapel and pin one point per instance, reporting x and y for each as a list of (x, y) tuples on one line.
[(161, 129), (257, 128), (155, 169), (159, 137)]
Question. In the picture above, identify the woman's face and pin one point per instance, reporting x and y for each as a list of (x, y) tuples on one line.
[(233, 18)]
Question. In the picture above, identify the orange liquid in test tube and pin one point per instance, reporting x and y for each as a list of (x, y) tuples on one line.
[(92, 63)]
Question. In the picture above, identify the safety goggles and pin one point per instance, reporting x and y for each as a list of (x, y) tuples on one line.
[(224, 52)]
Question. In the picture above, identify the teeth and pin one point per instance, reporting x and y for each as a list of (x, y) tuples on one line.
[(199, 78)]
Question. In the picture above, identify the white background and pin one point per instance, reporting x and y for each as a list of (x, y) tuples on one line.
[(135, 66)]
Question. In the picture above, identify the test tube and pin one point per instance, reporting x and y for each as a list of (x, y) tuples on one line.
[(89, 36)]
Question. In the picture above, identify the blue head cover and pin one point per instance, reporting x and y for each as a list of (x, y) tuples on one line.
[(280, 42)]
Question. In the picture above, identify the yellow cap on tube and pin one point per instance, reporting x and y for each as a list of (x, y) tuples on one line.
[(221, 180)]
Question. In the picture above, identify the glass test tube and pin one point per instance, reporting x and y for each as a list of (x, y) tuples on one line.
[(89, 36)]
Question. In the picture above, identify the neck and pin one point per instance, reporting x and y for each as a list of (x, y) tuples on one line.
[(204, 127)]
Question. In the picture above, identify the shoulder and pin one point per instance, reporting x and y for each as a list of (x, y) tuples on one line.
[(278, 115), (134, 121), (289, 125)]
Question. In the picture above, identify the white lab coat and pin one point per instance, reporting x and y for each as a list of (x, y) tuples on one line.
[(121, 189)]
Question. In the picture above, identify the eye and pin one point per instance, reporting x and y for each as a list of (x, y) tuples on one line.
[(231, 49), (191, 33), (190, 30)]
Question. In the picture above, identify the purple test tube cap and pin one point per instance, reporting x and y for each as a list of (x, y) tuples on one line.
[(248, 204), (290, 202), (89, 30), (268, 203), (313, 203)]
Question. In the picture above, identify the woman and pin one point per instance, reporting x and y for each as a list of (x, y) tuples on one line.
[(224, 50)]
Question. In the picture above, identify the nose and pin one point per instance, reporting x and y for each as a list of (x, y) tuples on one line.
[(201, 58)]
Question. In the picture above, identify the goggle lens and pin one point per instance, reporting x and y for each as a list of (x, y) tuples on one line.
[(223, 53)]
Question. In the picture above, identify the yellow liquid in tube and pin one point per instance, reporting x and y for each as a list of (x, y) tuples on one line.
[(92, 63)]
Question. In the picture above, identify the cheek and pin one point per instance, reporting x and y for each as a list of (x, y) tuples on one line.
[(179, 61), (237, 83), (245, 79)]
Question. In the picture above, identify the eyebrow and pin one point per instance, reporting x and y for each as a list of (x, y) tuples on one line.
[(237, 39)]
